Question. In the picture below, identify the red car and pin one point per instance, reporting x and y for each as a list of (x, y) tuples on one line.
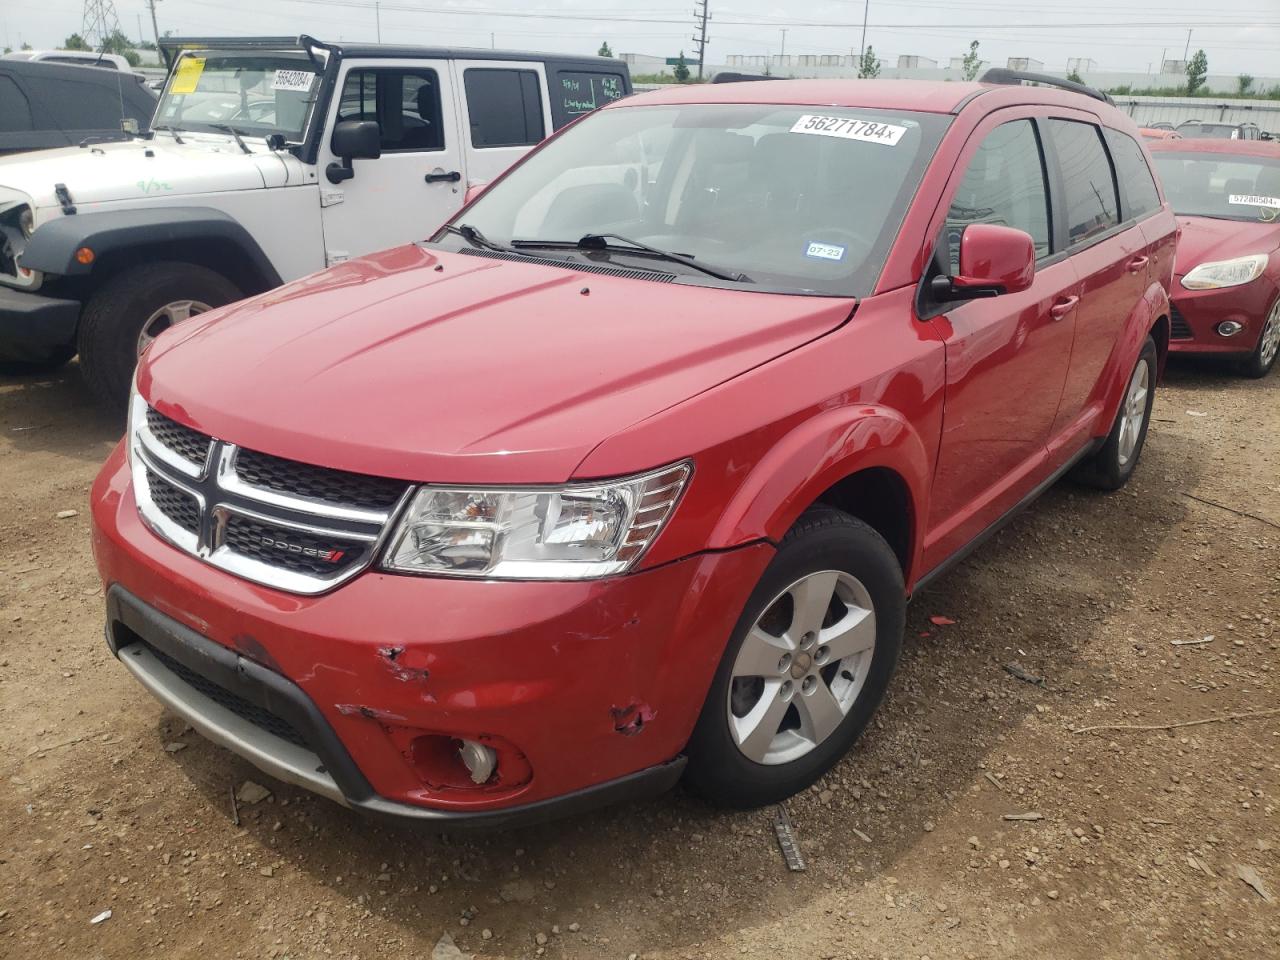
[(1159, 133), (630, 471), (1226, 300)]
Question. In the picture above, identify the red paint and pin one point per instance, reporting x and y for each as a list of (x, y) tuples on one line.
[(995, 257), (496, 372)]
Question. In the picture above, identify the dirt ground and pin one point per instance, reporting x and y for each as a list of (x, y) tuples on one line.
[(1136, 845)]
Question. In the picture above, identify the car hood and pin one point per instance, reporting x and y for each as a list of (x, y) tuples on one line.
[(446, 367), (1206, 239), (143, 169)]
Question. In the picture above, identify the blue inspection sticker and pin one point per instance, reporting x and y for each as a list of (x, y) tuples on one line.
[(824, 251)]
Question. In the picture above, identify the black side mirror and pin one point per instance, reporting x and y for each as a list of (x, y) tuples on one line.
[(353, 140)]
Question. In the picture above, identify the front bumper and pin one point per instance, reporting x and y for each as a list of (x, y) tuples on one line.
[(32, 325), (560, 671), (1197, 314)]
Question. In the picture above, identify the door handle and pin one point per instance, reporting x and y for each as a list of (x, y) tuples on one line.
[(453, 176), (1063, 307), (1136, 264)]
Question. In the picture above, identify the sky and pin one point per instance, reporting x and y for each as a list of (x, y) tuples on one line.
[(1239, 36)]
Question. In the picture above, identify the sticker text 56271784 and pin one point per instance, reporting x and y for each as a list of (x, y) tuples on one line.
[(850, 128)]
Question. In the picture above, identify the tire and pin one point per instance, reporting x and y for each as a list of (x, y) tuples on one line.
[(114, 318), (1264, 354), (825, 545), (56, 359), (1112, 466)]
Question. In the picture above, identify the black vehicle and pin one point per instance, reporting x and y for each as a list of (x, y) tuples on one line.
[(45, 105)]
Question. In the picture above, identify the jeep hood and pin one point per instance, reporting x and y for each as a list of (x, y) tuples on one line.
[(1207, 239), (448, 367), (142, 169)]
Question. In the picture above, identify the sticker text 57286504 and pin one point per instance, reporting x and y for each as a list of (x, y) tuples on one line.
[(850, 128), (1252, 200)]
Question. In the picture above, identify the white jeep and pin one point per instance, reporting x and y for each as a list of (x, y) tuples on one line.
[(268, 159)]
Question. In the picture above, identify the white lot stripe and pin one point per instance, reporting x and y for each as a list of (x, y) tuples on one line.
[(848, 128)]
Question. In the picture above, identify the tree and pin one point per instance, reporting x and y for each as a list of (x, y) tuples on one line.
[(868, 64), (25, 46), (75, 42), (682, 70), (1243, 83), (119, 42), (1197, 69), (1074, 77), (604, 50), (971, 63)]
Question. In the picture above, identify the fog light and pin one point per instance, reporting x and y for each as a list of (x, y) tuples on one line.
[(478, 759), (1229, 328)]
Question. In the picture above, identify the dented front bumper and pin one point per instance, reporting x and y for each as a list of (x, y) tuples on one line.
[(589, 689)]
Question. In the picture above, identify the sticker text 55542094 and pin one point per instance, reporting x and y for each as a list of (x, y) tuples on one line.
[(849, 128)]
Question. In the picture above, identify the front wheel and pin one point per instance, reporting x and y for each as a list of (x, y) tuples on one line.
[(1112, 466), (806, 667), (132, 309), (1264, 354)]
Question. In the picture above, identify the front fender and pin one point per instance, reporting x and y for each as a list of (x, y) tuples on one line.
[(52, 248)]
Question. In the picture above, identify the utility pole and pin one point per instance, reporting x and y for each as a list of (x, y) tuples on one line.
[(99, 22), (1163, 52), (1186, 53), (492, 42), (865, 5), (377, 18), (784, 43), (140, 37), (154, 26), (700, 19)]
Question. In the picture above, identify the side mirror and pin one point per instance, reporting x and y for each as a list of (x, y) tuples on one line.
[(474, 190), (994, 260), (353, 140)]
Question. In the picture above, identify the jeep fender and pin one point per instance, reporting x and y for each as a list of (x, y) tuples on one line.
[(52, 248)]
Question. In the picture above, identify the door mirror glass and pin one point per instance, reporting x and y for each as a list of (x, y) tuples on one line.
[(356, 140), (993, 260)]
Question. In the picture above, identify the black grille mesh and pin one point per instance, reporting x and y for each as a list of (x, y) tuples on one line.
[(260, 717), (189, 444), (177, 505), (292, 549), (318, 483), (1179, 329), (631, 274)]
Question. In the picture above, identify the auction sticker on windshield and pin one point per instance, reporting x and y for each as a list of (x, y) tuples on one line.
[(848, 128), (187, 76), (298, 80), (1249, 200)]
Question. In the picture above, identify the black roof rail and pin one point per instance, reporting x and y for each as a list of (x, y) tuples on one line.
[(1001, 75), (727, 77)]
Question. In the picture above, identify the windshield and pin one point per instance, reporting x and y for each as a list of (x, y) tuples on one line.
[(1227, 186), (1210, 131), (805, 199), (258, 94)]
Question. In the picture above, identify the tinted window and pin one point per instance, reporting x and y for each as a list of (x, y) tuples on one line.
[(1137, 185), (15, 112), (1087, 177), (405, 104), (83, 105), (579, 92), (1005, 185), (505, 107), (83, 62)]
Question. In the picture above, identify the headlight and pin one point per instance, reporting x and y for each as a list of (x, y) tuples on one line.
[(27, 222), (575, 532), (1226, 273)]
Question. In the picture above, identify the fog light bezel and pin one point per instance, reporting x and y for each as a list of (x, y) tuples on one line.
[(1229, 328)]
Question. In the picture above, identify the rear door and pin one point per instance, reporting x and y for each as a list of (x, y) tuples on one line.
[(418, 181), (1140, 202), (505, 111)]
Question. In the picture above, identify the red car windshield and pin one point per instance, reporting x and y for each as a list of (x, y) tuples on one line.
[(1226, 186), (805, 199)]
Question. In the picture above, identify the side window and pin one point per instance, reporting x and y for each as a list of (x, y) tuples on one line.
[(1004, 184), (15, 112), (405, 104), (1087, 177), (1138, 186), (81, 105), (505, 107), (576, 92)]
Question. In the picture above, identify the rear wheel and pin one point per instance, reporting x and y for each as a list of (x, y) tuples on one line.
[(1264, 354), (135, 307), (806, 667), (1112, 466)]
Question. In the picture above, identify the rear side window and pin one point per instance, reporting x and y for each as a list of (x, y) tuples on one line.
[(81, 105), (505, 107), (83, 62), (1005, 185), (1092, 208), (1137, 186), (405, 104), (15, 112)]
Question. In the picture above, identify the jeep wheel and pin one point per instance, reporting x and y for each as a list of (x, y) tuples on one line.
[(135, 307), (807, 665)]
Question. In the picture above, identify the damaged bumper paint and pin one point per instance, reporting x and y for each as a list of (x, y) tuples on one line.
[(578, 687)]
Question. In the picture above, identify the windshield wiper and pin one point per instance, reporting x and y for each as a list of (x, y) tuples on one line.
[(171, 129), (600, 241), (228, 128), (474, 237)]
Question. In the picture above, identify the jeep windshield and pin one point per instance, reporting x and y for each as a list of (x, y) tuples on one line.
[(801, 199), (257, 94), (1225, 186)]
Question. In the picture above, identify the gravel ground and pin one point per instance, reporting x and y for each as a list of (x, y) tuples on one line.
[(1130, 842)]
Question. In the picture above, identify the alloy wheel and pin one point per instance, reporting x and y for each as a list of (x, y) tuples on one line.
[(1270, 344), (167, 316), (801, 667), (1133, 413)]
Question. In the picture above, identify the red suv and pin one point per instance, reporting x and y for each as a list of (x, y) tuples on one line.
[(630, 471)]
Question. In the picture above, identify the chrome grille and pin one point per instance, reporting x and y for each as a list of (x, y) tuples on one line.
[(289, 525), (1179, 329)]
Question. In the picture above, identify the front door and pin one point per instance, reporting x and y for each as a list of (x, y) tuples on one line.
[(419, 180)]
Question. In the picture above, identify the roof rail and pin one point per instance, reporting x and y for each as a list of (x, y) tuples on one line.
[(1001, 75), (726, 77)]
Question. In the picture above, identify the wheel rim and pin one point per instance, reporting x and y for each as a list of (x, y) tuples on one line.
[(801, 667), (167, 316), (1270, 337), (1134, 411)]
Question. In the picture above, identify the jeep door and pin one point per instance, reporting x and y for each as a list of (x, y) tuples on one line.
[(418, 181), (505, 112)]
